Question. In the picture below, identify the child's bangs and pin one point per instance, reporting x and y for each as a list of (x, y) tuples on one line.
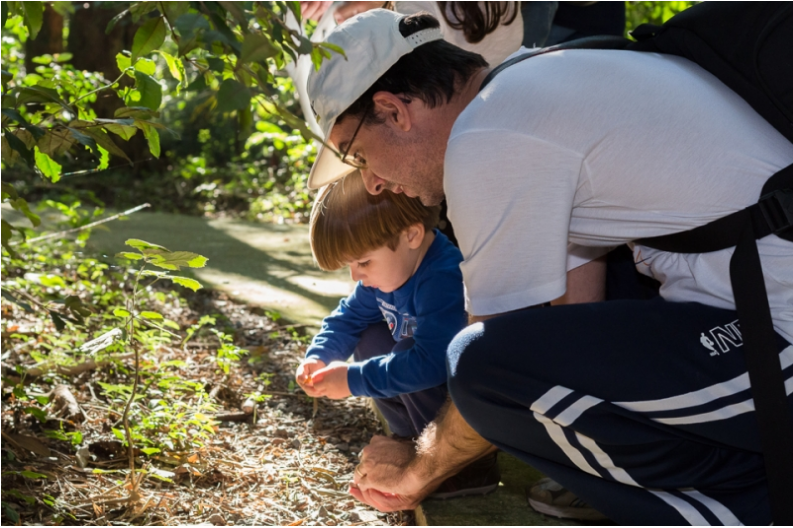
[(347, 222)]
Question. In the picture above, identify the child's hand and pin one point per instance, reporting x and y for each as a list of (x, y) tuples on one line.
[(305, 373), (331, 381)]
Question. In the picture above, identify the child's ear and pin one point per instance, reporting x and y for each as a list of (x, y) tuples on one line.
[(415, 235)]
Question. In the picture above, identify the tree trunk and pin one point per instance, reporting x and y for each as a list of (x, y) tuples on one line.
[(48, 41), (94, 50)]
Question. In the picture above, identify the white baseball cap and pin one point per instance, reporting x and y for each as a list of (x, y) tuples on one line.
[(372, 44)]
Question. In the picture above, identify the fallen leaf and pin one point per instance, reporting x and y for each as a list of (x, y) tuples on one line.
[(31, 444), (83, 456), (187, 469)]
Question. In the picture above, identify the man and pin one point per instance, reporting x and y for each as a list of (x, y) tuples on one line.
[(620, 402)]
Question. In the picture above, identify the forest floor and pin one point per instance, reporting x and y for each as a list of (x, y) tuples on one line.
[(287, 462)]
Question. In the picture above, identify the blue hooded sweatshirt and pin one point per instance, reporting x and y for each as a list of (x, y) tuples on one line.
[(429, 307)]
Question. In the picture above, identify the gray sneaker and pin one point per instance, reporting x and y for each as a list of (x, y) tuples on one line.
[(549, 497)]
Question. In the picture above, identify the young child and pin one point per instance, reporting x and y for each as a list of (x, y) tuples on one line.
[(406, 308)]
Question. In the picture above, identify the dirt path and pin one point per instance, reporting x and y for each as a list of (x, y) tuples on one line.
[(264, 265)]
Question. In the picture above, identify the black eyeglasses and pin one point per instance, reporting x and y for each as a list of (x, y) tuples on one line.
[(353, 161)]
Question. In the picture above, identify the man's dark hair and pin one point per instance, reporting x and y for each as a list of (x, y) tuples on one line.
[(431, 72)]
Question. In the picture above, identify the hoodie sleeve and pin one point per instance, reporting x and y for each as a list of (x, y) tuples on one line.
[(342, 329), (440, 315)]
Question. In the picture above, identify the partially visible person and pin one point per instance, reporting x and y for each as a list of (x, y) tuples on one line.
[(491, 29), (406, 308), (494, 30)]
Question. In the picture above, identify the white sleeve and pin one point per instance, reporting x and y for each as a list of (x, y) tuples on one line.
[(510, 197), (578, 255)]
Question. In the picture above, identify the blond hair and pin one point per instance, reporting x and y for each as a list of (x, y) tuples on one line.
[(348, 222)]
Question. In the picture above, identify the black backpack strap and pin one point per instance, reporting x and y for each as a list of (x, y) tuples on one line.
[(772, 214), (598, 42)]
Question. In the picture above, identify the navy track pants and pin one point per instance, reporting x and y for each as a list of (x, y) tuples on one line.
[(407, 414), (641, 408)]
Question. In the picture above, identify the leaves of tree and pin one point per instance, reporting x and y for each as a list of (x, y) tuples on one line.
[(187, 283), (176, 68), (175, 260), (34, 16), (129, 255), (114, 21), (56, 142), (19, 146), (125, 132), (84, 139), (173, 10), (143, 246), (233, 95), (188, 24), (40, 94), (21, 205), (147, 66), (48, 167), (104, 140), (151, 135), (139, 112), (150, 91), (148, 37), (256, 47)]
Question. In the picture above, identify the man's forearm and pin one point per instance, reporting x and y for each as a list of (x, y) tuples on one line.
[(447, 445)]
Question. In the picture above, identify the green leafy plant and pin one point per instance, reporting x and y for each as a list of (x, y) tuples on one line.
[(228, 353), (149, 254)]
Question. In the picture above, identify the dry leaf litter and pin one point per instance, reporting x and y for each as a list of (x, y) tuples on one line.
[(277, 465)]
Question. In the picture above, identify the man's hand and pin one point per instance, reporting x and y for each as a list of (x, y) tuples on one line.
[(331, 381), (305, 373), (350, 9), (313, 10), (386, 477), (397, 475)]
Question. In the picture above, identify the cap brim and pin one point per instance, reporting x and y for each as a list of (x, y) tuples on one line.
[(327, 168)]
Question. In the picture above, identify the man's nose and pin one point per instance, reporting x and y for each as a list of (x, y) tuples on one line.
[(373, 183)]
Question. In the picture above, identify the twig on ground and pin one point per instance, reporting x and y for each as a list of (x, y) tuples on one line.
[(234, 417), (64, 403), (81, 228), (41, 369)]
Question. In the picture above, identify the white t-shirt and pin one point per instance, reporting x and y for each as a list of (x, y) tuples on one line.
[(495, 47), (599, 148)]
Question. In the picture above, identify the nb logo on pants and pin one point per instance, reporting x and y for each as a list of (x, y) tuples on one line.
[(722, 337)]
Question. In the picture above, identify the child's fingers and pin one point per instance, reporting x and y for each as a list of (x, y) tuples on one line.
[(309, 389), (318, 377), (313, 393)]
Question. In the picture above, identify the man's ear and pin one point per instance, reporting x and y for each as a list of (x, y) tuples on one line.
[(415, 235), (394, 109)]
